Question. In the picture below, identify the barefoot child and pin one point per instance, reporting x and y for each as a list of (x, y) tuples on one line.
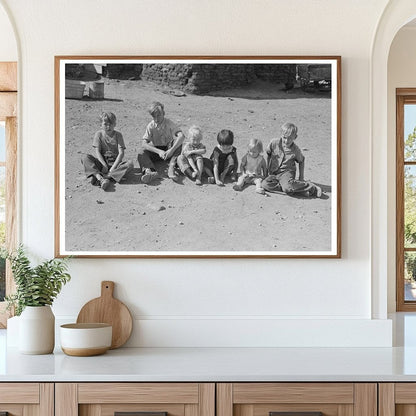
[(107, 164), (162, 140), (224, 157), (283, 155), (253, 167), (191, 161)]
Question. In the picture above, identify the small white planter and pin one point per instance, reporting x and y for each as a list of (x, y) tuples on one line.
[(85, 339), (37, 330)]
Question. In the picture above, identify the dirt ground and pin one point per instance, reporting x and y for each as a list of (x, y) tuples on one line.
[(169, 217)]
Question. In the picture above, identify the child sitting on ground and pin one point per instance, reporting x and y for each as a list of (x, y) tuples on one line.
[(282, 156), (107, 164), (253, 167), (191, 161), (162, 141), (224, 158)]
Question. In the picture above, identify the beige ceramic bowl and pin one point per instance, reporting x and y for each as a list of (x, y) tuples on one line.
[(83, 340)]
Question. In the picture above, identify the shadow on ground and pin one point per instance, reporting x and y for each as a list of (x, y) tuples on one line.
[(263, 90)]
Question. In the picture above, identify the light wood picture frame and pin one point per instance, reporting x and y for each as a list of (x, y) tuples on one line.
[(176, 208)]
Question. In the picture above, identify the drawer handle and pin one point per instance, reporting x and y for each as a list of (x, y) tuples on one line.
[(139, 414), (295, 413)]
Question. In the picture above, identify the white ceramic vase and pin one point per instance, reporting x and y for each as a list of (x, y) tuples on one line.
[(37, 330)]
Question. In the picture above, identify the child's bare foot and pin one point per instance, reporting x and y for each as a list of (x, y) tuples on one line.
[(260, 191), (237, 187), (219, 183), (194, 174), (149, 175), (198, 182), (211, 179)]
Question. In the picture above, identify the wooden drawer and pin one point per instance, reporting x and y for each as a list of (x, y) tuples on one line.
[(104, 399), (27, 399), (397, 399), (332, 399)]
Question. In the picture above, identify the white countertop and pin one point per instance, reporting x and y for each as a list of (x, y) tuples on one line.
[(221, 364), (215, 364)]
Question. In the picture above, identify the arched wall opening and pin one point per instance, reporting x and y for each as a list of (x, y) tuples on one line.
[(401, 73), (384, 80)]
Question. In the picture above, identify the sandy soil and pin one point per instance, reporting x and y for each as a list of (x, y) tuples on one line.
[(166, 216)]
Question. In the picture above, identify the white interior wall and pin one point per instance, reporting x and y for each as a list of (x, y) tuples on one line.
[(202, 302), (401, 74), (8, 45)]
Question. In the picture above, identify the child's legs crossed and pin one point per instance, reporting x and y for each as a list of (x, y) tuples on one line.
[(144, 158), (92, 166), (292, 186), (122, 170), (271, 184)]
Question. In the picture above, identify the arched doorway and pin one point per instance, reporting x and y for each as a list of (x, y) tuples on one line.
[(401, 97), (396, 15)]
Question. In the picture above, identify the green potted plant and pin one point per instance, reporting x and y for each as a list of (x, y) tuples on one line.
[(36, 289)]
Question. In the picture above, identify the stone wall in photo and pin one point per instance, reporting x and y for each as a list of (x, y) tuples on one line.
[(203, 78)]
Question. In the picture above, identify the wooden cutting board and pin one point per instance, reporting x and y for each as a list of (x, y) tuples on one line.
[(108, 310)]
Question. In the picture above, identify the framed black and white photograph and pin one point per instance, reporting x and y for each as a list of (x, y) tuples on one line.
[(198, 156)]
